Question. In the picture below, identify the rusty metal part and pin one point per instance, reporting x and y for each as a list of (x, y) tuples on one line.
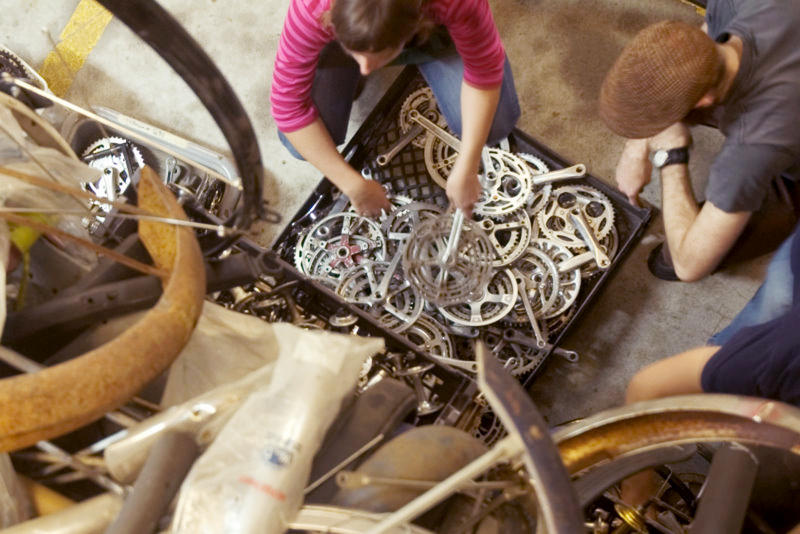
[(67, 396), (674, 421)]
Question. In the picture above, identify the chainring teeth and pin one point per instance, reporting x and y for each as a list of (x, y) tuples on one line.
[(423, 101), (497, 301)]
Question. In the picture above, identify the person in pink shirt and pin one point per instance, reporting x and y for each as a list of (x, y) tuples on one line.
[(326, 46)]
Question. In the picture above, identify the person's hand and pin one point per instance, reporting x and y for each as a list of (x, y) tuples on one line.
[(634, 169), (368, 198), (463, 188), (675, 136)]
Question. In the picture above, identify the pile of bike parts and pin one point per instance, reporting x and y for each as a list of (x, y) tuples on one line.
[(542, 240)]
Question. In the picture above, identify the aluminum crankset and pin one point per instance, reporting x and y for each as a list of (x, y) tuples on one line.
[(541, 279), (556, 220), (338, 242), (506, 179), (569, 284), (422, 101), (448, 258), (540, 193), (493, 305), (516, 358), (382, 290), (507, 183), (401, 222), (587, 259), (509, 235)]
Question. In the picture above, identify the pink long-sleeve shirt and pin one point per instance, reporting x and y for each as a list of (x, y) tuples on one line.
[(469, 23)]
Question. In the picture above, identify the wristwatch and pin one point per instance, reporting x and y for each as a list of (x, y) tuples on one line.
[(669, 156)]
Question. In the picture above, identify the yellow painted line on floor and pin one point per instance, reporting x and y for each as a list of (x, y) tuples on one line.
[(77, 40), (698, 8)]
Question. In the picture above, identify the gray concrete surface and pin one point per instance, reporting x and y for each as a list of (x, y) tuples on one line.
[(559, 49)]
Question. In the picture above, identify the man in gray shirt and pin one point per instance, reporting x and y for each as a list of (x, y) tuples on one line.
[(740, 73)]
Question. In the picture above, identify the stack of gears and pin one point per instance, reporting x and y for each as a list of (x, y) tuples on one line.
[(515, 271)]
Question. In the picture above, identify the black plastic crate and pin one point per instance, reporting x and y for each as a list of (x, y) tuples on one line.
[(407, 175)]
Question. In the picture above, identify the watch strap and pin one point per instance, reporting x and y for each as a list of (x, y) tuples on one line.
[(676, 156)]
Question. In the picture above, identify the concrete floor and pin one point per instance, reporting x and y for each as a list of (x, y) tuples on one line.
[(559, 49)]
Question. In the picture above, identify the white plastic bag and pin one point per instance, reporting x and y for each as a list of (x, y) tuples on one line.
[(251, 478)]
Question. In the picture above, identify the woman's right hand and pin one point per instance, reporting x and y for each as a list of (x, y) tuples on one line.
[(634, 169), (368, 198)]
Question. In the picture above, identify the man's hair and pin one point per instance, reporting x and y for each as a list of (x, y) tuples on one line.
[(376, 25), (662, 73)]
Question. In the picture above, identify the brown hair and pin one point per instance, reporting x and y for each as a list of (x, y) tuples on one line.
[(660, 76), (377, 25)]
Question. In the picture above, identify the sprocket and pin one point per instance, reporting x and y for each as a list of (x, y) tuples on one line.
[(118, 159), (397, 309), (569, 282), (555, 221), (423, 101), (509, 235), (496, 302), (338, 242)]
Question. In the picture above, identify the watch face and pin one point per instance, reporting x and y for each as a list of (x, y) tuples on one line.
[(660, 157)]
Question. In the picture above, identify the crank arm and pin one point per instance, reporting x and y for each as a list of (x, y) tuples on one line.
[(580, 222), (509, 334), (541, 342), (445, 136), (383, 287), (190, 153), (470, 366), (576, 262), (576, 171), (449, 139), (384, 159)]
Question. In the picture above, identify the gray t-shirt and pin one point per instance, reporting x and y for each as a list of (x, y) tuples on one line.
[(761, 116)]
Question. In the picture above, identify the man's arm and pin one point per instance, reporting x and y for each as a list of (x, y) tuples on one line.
[(697, 238), (315, 144), (478, 107)]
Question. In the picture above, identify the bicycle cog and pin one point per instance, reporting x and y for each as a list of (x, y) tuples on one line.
[(337, 243), (509, 235), (540, 194), (493, 305), (516, 359), (400, 223), (439, 159), (118, 159), (542, 284), (19, 68), (555, 222), (506, 186), (467, 271), (397, 309), (431, 337), (480, 421), (569, 282), (423, 101)]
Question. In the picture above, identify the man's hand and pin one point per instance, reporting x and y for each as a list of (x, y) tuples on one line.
[(463, 188), (634, 169), (368, 198)]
